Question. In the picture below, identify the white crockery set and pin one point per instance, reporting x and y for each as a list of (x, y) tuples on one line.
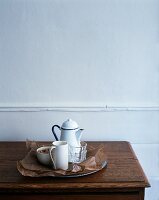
[(68, 149)]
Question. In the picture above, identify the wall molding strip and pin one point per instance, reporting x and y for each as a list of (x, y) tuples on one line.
[(77, 108)]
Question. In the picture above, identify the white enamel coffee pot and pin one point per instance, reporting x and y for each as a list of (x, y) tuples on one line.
[(70, 132)]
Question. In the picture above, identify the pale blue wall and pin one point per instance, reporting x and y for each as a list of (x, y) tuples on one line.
[(83, 51), (95, 61)]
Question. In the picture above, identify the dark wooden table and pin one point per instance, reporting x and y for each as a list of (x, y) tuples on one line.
[(123, 179)]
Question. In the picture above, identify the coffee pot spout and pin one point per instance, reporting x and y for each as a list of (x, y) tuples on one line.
[(78, 135)]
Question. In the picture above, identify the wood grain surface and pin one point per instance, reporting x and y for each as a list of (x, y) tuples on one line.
[(123, 174)]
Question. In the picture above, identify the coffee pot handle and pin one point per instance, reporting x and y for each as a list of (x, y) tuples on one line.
[(54, 131)]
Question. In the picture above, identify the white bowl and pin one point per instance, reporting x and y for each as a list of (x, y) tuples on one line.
[(43, 158)]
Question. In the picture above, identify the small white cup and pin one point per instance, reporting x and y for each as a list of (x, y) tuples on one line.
[(59, 155), (44, 157)]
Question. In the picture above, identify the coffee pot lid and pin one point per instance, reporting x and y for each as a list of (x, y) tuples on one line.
[(69, 124)]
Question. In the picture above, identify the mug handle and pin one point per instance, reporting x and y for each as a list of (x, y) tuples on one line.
[(54, 131), (52, 158)]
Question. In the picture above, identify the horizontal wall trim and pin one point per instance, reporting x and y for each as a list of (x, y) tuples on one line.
[(77, 108)]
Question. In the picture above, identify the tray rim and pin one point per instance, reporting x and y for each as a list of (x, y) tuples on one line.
[(104, 164)]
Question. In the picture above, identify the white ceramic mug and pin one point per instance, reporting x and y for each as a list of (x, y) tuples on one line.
[(59, 155)]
